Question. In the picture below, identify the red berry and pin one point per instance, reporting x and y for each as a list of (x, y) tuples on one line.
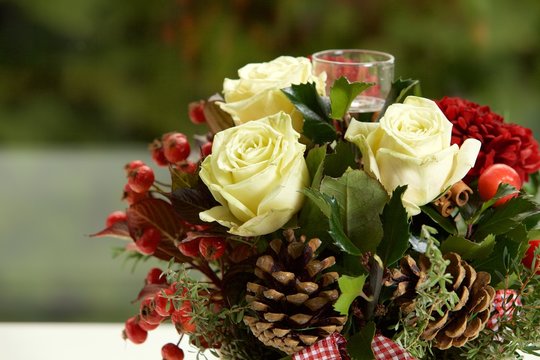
[(176, 147), (147, 326), (132, 165), (212, 248), (131, 197), (114, 217), (163, 302), (141, 179), (156, 150), (133, 331), (492, 177), (196, 112), (182, 318), (171, 351), (155, 276), (149, 241), (190, 247), (529, 256), (206, 149), (148, 312), (188, 167)]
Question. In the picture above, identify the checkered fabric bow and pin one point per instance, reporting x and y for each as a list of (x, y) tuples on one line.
[(333, 348), (504, 305), (385, 349), (330, 348)]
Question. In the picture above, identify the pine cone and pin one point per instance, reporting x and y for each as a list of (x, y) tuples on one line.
[(293, 297), (467, 318)]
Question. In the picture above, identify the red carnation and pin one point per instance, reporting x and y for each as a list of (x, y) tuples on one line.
[(504, 143)]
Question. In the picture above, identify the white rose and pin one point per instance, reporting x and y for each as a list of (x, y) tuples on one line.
[(256, 172), (411, 146), (257, 92)]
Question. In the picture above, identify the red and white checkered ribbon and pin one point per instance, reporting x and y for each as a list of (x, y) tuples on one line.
[(385, 349), (504, 305), (333, 348), (330, 348)]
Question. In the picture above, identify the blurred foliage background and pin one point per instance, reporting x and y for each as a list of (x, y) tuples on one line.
[(81, 81)]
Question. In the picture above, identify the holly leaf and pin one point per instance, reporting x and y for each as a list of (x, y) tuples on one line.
[(359, 345), (395, 240), (331, 210), (343, 158), (315, 164), (469, 250), (361, 199), (508, 248), (342, 94), (315, 109), (506, 217), (399, 91), (350, 288), (446, 223)]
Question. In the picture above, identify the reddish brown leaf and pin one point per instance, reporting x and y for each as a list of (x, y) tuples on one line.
[(157, 213), (118, 229)]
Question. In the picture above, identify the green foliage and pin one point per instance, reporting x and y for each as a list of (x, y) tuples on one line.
[(399, 91), (341, 159), (342, 94), (350, 287), (395, 222), (315, 164), (315, 109), (432, 296), (359, 345), (518, 332), (361, 199), (469, 250), (329, 207)]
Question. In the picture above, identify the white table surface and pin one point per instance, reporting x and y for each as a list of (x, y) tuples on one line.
[(83, 341), (87, 341)]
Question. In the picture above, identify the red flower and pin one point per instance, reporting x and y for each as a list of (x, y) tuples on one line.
[(504, 143)]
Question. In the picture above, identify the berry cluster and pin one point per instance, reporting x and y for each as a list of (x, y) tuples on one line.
[(161, 302)]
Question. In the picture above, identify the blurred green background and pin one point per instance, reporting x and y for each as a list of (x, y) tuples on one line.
[(84, 85)]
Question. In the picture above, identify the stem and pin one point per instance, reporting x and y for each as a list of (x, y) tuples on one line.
[(160, 190), (208, 272)]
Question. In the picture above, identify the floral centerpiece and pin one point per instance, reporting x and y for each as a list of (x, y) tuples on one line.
[(297, 231)]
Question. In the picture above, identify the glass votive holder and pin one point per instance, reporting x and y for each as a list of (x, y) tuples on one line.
[(358, 65)]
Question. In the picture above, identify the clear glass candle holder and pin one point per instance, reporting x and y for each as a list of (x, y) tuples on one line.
[(358, 65)]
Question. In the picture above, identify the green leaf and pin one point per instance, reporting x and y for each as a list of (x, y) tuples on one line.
[(189, 202), (399, 90), (508, 248), (315, 163), (342, 95), (469, 250), (359, 345), (330, 208), (315, 109), (446, 223), (472, 214), (395, 239), (506, 217), (361, 199), (344, 157), (350, 287), (182, 179)]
